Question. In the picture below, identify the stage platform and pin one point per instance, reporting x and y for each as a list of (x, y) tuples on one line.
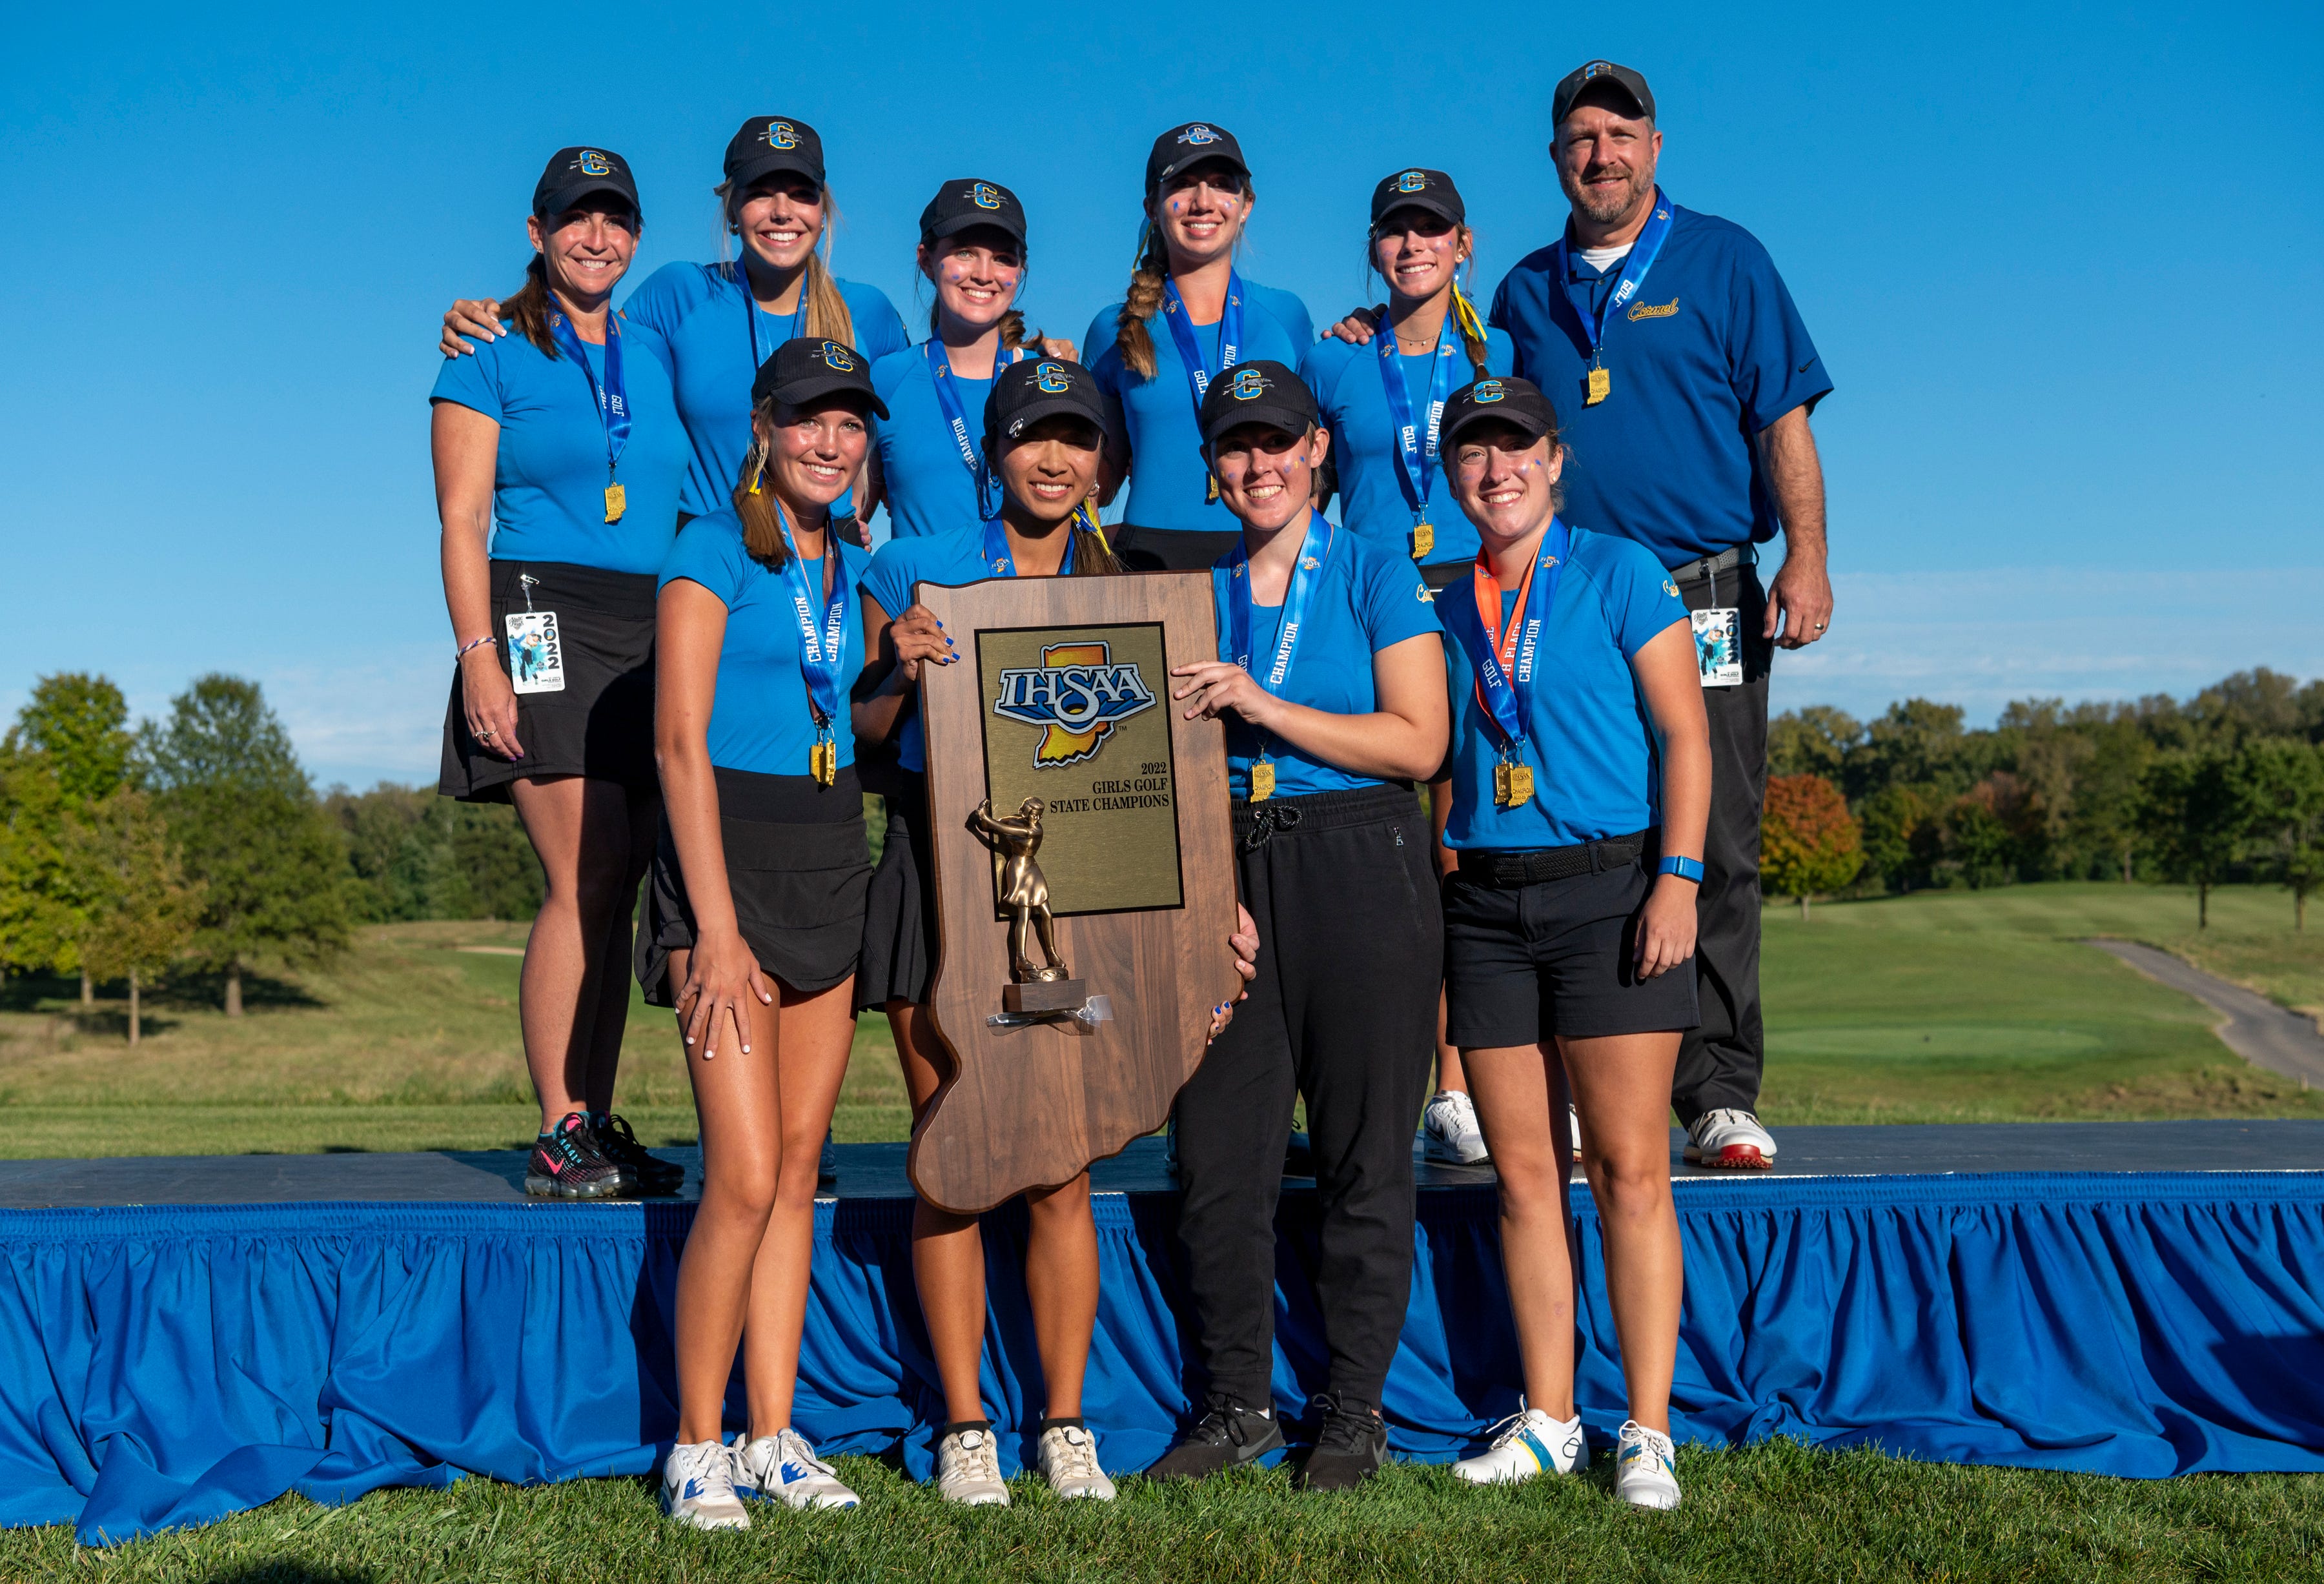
[(183, 1338)]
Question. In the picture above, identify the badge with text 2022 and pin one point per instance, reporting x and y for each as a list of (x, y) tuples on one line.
[(1074, 717), (535, 653)]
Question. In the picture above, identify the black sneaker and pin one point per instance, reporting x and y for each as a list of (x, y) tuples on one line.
[(567, 1163), (1350, 1446), (619, 1145), (1227, 1436)]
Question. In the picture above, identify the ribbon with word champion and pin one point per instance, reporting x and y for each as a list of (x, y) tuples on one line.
[(823, 655), (1415, 442), (1199, 374), (1641, 258), (1503, 662), (1306, 574), (612, 399), (948, 395)]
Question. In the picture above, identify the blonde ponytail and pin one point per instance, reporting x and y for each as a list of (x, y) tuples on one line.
[(755, 504), (1131, 336)]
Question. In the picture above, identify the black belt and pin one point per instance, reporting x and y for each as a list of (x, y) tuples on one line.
[(1706, 567), (1492, 866)]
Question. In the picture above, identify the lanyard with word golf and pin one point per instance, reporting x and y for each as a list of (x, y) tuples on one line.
[(750, 318), (1306, 574), (612, 399), (1634, 275), (1200, 374), (948, 394), (1414, 440), (1004, 565), (822, 655), (1503, 662)]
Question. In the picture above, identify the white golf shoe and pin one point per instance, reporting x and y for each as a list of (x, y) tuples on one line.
[(1526, 1443)]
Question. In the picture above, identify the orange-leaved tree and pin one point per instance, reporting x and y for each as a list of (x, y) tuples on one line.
[(1808, 841)]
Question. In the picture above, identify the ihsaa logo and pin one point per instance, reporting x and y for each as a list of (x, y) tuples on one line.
[(1077, 696)]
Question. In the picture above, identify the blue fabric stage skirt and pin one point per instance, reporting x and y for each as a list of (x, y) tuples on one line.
[(163, 1366)]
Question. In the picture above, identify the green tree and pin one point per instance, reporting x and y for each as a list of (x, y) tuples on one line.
[(486, 867), (2108, 794), (1812, 741), (394, 835), (1808, 841), (1915, 743), (1901, 836), (2283, 776), (81, 723), (272, 867), (2196, 812), (39, 922), (139, 909)]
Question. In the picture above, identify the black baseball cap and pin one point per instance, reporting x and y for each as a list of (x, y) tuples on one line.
[(769, 143), (1182, 148), (811, 368), (965, 202), (1505, 399), (1260, 392), (1035, 388), (1419, 189), (1630, 83), (573, 174)]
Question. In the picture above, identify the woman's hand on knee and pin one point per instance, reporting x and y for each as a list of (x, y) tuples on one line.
[(721, 978), (1667, 927)]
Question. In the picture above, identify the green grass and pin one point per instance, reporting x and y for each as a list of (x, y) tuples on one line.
[(1775, 1512)]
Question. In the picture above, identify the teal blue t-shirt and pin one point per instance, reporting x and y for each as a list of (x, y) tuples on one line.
[(549, 476), (1346, 380), (1591, 741), (705, 312), (952, 558), (761, 720), (1170, 488), (1366, 600)]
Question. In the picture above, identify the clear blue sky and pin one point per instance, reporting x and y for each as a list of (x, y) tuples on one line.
[(2066, 264)]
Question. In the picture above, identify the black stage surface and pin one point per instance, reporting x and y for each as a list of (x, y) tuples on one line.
[(876, 1171)]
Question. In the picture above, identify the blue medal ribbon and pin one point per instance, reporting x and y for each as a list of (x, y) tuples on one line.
[(1507, 692), (1004, 565), (948, 395), (1199, 374), (1416, 443), (613, 395), (1306, 574), (750, 316), (823, 655), (1641, 259)]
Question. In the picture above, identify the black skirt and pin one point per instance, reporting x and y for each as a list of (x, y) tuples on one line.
[(600, 723), (899, 913), (798, 866)]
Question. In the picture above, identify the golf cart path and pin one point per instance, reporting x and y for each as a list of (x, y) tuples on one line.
[(2256, 1030)]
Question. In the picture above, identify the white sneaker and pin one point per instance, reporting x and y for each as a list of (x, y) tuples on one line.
[(1574, 1131), (968, 1469), (1069, 1463), (1526, 1443), (697, 1486), (1645, 1466), (1731, 1140), (1449, 1125), (783, 1468)]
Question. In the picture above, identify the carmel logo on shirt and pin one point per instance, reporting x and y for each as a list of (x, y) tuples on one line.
[(1648, 310), (1078, 694)]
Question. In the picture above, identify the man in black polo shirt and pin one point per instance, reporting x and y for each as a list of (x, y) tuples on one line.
[(1683, 380)]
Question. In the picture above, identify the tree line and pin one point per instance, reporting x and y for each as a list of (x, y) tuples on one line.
[(197, 842), (2228, 786)]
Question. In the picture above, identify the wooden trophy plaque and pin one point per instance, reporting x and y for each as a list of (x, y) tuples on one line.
[(1084, 875)]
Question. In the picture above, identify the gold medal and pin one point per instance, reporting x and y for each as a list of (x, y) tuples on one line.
[(1262, 780), (1502, 784), (822, 762), (1520, 784), (617, 501), (1601, 383), (1424, 538), (1213, 496)]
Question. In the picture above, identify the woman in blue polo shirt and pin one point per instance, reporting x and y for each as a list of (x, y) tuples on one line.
[(1330, 677), (723, 320), (559, 462), (1188, 316), (754, 913), (1580, 782), (1384, 428), (928, 455)]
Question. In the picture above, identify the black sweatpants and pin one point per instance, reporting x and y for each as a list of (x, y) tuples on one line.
[(1343, 1011), (1720, 1061)]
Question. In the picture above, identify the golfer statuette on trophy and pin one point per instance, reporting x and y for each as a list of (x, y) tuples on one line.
[(1118, 861)]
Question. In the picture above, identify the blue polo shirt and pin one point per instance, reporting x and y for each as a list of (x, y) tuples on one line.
[(1346, 380), (1367, 599), (700, 311), (1711, 352), (929, 489), (953, 557), (760, 720), (548, 476), (1170, 488), (1591, 741)]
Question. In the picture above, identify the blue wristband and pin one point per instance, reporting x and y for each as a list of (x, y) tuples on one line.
[(1686, 868)]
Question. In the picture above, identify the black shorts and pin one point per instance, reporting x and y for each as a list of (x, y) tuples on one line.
[(899, 913), (1163, 549), (600, 723), (797, 865), (1524, 964)]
